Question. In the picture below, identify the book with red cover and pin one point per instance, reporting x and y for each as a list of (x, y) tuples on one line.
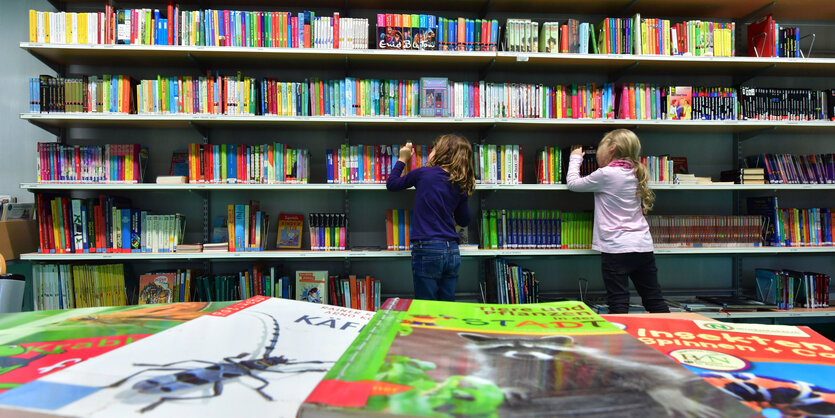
[(761, 38), (778, 370)]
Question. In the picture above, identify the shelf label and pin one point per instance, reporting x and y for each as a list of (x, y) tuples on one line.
[(522, 58)]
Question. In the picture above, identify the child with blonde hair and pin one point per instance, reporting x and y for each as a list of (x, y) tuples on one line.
[(442, 189), (621, 233)]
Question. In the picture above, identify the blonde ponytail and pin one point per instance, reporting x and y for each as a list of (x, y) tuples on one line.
[(628, 147)]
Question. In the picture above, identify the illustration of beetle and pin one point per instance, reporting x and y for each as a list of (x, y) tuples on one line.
[(215, 374)]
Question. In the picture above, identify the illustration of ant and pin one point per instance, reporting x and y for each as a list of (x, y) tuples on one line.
[(215, 374)]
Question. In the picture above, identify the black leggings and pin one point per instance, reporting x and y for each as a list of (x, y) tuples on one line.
[(640, 267)]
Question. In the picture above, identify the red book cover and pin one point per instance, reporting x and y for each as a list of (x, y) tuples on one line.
[(170, 16), (321, 90), (307, 35), (476, 100), (336, 30), (563, 38), (520, 164), (369, 294), (242, 177), (377, 164), (210, 164), (68, 238), (761, 38)]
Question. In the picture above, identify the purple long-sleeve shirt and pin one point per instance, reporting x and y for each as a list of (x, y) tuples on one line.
[(438, 203)]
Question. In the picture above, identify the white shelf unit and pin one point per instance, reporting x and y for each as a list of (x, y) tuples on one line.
[(739, 67), (281, 254), (35, 187)]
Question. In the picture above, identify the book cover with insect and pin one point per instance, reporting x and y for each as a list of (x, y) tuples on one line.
[(290, 230), (258, 357), (453, 359), (156, 288), (779, 370), (35, 344)]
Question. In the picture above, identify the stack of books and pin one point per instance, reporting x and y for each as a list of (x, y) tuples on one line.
[(752, 176)]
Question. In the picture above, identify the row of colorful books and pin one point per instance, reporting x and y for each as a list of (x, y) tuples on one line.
[(705, 230), (795, 169), (429, 96), (107, 94), (549, 165), (497, 164), (793, 227), (64, 286), (368, 164), (788, 288), (535, 229), (767, 38), (328, 231), (111, 163), (247, 227), (786, 104), (236, 163), (103, 224), (199, 27), (508, 283), (394, 31), (354, 291), (190, 285), (398, 225), (661, 169), (429, 32)]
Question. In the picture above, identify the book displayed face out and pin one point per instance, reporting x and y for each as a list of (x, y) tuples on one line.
[(258, 357), (460, 359)]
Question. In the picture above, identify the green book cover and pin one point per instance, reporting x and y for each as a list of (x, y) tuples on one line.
[(494, 238), (433, 358)]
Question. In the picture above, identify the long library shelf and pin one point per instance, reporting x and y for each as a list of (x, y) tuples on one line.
[(121, 120), (736, 9), (162, 55), (791, 313), (303, 254), (35, 187)]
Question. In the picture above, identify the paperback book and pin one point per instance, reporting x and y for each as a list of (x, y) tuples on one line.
[(453, 359), (312, 286), (778, 370), (34, 345), (290, 227), (261, 356)]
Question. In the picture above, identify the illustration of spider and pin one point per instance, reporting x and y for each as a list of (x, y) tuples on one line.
[(215, 374)]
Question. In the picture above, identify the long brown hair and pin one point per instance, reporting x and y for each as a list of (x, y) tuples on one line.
[(454, 153), (628, 147)]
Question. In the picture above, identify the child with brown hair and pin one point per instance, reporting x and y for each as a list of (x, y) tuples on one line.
[(442, 189), (621, 233)]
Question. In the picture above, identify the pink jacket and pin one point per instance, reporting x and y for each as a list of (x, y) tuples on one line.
[(619, 223)]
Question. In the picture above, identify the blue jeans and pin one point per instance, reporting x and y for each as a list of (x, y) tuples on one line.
[(435, 269)]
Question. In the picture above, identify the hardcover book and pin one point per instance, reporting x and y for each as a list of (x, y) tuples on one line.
[(35, 344), (290, 230), (156, 288), (312, 286), (433, 96), (453, 359), (778, 370), (259, 357)]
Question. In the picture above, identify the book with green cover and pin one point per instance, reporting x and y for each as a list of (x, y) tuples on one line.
[(433, 358)]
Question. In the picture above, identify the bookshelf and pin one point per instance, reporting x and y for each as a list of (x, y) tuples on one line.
[(35, 187), (348, 254), (329, 131), (793, 9)]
